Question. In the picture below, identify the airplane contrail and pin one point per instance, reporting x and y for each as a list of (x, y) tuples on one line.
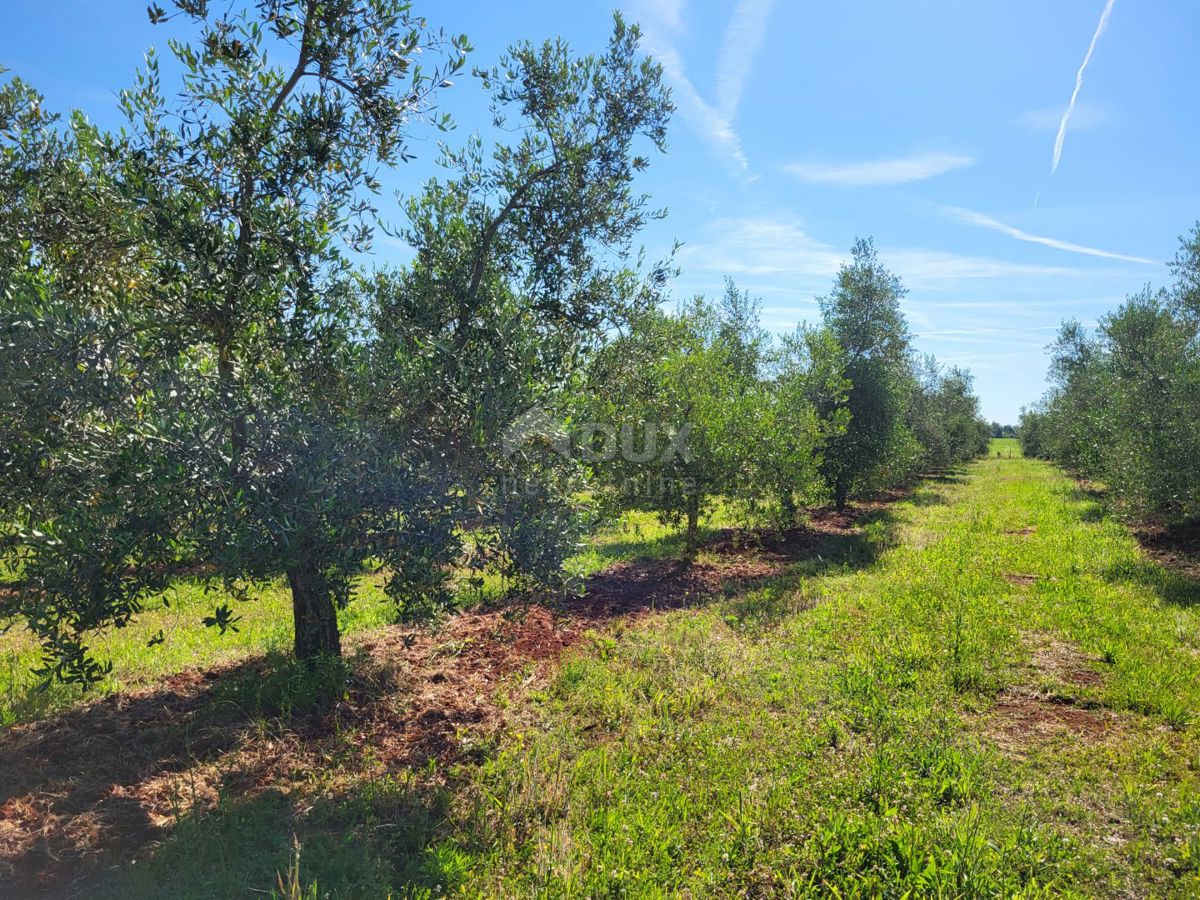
[(1062, 126), (985, 221)]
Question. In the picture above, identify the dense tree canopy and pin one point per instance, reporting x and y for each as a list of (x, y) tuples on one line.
[(193, 370), (863, 314)]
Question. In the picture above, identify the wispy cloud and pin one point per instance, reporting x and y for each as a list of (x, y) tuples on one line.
[(761, 246), (774, 247), (1066, 117), (662, 22), (743, 39), (927, 268), (896, 170), (985, 221), (1084, 116)]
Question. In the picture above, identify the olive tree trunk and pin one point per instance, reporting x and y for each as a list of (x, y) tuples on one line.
[(314, 613), (693, 523)]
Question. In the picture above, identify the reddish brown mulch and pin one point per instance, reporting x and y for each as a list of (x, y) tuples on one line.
[(1023, 715), (1019, 720), (104, 782), (1177, 547)]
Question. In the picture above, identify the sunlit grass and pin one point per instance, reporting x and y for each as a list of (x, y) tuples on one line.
[(264, 625), (265, 622), (840, 730), (847, 748)]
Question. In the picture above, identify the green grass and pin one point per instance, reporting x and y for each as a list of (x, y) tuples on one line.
[(853, 728), (265, 623), (847, 749), (265, 626)]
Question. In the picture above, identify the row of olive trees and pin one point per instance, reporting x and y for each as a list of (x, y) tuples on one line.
[(1124, 403), (193, 370), (707, 405)]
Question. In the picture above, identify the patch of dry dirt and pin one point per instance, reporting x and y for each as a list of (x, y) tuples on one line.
[(1024, 714), (1017, 721), (1055, 658), (1177, 548), (1021, 580)]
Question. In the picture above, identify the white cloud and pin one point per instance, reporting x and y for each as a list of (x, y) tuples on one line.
[(778, 246), (897, 170), (661, 21), (1085, 116), (986, 221), (921, 267), (1066, 117), (761, 247), (743, 38)]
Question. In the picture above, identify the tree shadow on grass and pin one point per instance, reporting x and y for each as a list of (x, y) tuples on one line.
[(666, 546), (386, 836), (762, 606), (372, 839), (929, 497), (950, 476), (1170, 566), (1091, 500), (196, 788), (1169, 584), (69, 782)]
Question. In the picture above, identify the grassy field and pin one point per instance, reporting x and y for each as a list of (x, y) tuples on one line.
[(999, 699)]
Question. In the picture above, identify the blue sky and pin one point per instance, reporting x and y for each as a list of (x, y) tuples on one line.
[(930, 125)]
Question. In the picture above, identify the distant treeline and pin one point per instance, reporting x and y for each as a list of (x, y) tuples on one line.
[(1124, 403), (1004, 431)]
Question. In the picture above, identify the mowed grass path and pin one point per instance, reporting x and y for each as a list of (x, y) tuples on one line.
[(1000, 700), (1003, 704)]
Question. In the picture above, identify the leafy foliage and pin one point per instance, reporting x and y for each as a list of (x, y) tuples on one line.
[(197, 376), (194, 372), (863, 314), (1123, 400)]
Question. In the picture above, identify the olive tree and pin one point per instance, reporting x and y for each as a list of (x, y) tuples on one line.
[(806, 376), (1122, 402), (863, 314), (680, 394), (193, 371)]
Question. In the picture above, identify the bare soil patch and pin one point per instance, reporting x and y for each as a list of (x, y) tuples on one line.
[(1176, 547), (101, 784), (1021, 580), (1016, 721), (1025, 714), (1062, 661)]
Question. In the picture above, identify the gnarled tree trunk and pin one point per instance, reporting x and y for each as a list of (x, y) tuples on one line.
[(693, 525), (314, 613)]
